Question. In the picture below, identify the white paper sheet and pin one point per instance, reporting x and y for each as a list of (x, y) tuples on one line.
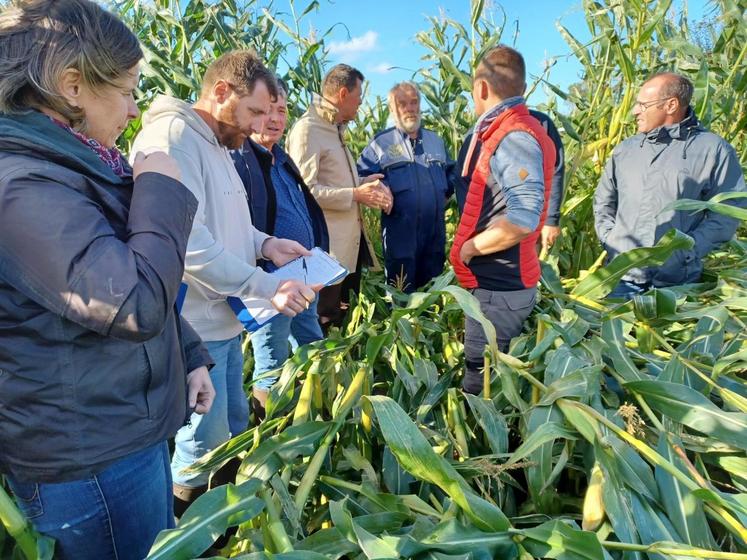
[(319, 268)]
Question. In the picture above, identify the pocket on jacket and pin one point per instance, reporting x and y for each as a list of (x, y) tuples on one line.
[(399, 178), (682, 267), (149, 365), (27, 497), (438, 175)]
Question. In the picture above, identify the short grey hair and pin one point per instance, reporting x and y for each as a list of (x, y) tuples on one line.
[(399, 86), (675, 85), (41, 39)]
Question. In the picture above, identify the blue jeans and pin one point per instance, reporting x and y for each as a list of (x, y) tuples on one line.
[(270, 343), (626, 290), (115, 514), (228, 416)]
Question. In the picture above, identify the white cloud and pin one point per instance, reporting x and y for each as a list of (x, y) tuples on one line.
[(350, 50), (382, 68)]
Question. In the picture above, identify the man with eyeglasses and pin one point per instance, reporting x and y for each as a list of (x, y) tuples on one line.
[(672, 157)]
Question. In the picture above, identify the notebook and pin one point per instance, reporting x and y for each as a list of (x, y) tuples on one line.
[(318, 268)]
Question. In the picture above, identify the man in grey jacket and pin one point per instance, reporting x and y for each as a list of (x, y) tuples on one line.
[(672, 157)]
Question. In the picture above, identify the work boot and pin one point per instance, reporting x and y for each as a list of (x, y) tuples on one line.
[(224, 475), (184, 496), (259, 410)]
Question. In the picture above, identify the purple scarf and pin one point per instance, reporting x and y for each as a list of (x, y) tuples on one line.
[(110, 156)]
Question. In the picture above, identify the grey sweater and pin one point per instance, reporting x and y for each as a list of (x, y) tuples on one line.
[(223, 246), (651, 170)]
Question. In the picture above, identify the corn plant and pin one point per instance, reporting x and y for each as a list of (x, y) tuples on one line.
[(608, 431)]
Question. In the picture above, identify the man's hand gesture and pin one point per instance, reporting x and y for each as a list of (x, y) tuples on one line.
[(374, 194)]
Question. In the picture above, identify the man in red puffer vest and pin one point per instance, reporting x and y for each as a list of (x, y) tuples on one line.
[(511, 161)]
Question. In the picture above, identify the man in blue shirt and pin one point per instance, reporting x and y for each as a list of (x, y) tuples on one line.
[(416, 168), (281, 205), (551, 229)]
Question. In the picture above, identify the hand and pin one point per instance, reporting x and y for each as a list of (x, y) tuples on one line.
[(388, 208), (281, 251), (293, 297), (549, 235), (465, 253), (374, 194), (156, 162), (370, 178), (200, 390)]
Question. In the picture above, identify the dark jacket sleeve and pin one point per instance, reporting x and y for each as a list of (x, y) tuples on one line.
[(716, 228), (368, 162), (556, 189), (60, 250), (196, 353)]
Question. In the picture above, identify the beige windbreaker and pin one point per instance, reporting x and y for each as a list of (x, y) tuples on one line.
[(317, 147)]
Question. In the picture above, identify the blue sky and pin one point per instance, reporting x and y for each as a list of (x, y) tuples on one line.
[(377, 35)]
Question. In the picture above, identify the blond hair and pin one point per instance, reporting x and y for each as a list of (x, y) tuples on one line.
[(41, 39)]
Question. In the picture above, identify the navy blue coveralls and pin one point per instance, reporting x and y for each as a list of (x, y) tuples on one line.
[(414, 233)]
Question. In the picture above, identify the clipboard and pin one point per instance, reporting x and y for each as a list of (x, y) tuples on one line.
[(318, 268)]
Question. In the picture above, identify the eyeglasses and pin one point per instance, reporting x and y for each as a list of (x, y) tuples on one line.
[(643, 105)]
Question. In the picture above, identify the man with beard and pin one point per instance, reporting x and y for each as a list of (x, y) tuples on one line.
[(223, 245), (415, 166)]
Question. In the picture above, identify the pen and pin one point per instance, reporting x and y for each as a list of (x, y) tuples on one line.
[(305, 278)]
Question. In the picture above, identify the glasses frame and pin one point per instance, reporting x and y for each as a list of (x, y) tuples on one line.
[(644, 105)]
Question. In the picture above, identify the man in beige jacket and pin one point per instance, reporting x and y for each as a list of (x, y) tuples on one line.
[(316, 144)]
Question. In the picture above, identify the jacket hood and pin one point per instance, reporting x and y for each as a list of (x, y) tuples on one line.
[(33, 134), (167, 107), (678, 131), (685, 131)]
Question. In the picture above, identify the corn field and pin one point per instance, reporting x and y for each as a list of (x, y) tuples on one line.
[(614, 432)]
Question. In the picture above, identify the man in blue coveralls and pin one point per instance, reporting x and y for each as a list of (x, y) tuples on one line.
[(415, 166)]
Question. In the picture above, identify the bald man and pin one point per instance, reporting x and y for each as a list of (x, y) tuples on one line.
[(672, 157)]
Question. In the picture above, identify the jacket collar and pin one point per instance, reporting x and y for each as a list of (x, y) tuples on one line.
[(323, 110), (487, 118), (678, 131), (33, 133), (406, 135)]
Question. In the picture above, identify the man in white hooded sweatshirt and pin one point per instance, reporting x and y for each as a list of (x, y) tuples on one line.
[(223, 245)]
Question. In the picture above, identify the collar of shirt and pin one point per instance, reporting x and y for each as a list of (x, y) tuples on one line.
[(483, 123), (325, 110), (487, 118), (279, 155)]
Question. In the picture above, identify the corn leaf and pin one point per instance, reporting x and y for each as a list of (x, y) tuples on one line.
[(686, 406)]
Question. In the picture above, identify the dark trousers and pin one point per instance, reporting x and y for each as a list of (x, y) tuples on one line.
[(334, 300), (507, 311)]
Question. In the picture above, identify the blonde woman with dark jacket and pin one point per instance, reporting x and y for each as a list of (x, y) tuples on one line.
[(97, 370)]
